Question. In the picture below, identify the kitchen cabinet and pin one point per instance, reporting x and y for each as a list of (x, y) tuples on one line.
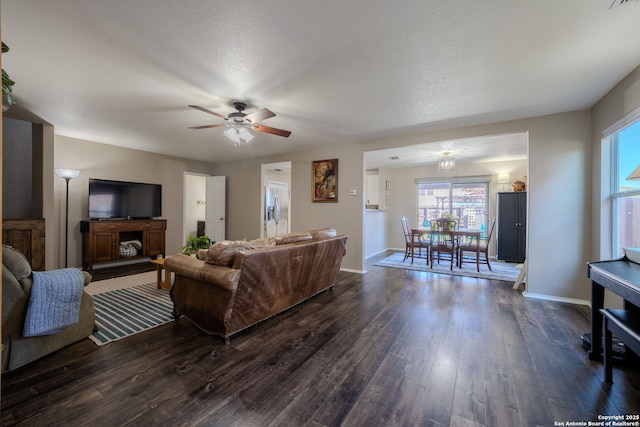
[(377, 188)]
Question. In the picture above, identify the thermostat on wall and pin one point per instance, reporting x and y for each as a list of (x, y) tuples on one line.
[(353, 192)]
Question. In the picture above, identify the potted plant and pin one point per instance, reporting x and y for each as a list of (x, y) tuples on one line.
[(7, 84), (195, 244)]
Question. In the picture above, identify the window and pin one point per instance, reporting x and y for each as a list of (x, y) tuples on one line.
[(464, 198), (625, 193)]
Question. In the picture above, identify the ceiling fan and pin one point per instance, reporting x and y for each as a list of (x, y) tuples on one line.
[(239, 121)]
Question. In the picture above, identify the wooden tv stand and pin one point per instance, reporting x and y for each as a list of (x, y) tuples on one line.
[(101, 239)]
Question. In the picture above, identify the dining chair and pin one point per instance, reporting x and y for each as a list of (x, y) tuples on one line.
[(413, 243), (443, 242), (477, 248)]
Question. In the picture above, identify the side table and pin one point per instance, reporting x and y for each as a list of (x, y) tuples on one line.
[(166, 283)]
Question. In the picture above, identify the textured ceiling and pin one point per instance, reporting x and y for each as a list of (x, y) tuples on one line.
[(123, 72)]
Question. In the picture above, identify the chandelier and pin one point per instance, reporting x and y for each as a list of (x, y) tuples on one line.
[(447, 163)]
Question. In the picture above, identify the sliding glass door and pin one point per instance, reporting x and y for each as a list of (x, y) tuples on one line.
[(467, 201)]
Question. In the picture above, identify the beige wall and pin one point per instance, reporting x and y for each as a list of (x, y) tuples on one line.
[(244, 197), (103, 161), (404, 188), (614, 106), (559, 194), (620, 101), (562, 176), (558, 197)]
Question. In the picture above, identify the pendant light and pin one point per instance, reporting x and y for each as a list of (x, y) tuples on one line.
[(446, 163)]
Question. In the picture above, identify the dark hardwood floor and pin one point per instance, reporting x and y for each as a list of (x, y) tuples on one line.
[(122, 270), (390, 347)]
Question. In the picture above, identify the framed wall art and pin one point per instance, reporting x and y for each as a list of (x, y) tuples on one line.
[(325, 180)]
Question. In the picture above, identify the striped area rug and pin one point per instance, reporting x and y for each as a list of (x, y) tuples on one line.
[(125, 312)]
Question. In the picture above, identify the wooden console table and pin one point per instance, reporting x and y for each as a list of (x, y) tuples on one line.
[(101, 239), (619, 276)]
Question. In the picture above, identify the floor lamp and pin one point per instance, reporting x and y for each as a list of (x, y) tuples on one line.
[(67, 174)]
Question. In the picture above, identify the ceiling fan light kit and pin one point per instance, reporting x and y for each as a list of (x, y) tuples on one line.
[(239, 123), (238, 134)]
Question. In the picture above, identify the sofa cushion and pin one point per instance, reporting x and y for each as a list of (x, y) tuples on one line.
[(224, 252), (323, 233), (293, 238), (263, 242)]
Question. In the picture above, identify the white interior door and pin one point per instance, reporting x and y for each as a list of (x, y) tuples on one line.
[(215, 218), (276, 209)]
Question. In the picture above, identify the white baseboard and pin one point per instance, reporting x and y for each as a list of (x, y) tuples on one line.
[(557, 299), (383, 251), (350, 270)]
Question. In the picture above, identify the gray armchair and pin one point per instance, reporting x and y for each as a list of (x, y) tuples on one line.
[(18, 350)]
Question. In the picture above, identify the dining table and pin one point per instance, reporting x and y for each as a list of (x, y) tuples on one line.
[(416, 232)]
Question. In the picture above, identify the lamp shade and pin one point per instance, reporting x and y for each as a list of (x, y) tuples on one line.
[(635, 174), (67, 173), (503, 178)]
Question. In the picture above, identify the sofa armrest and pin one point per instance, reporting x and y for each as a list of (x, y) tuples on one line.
[(193, 268), (87, 277)]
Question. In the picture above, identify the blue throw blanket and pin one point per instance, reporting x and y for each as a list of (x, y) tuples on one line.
[(55, 301)]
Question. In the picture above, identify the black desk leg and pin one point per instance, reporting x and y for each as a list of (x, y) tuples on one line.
[(597, 302)]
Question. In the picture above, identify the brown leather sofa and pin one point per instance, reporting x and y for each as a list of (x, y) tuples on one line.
[(242, 283), (18, 350)]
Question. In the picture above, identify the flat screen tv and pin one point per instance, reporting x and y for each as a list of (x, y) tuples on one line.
[(121, 199)]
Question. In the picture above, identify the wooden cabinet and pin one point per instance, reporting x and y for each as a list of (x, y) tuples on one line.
[(27, 236), (512, 226), (101, 239), (104, 245), (154, 237)]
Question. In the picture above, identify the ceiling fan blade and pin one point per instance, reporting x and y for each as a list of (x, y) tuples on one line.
[(208, 126), (208, 111), (274, 131), (258, 116)]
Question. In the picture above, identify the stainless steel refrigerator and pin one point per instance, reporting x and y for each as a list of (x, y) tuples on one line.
[(276, 218)]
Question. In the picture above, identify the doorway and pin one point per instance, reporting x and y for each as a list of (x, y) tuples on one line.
[(276, 199), (194, 204), (204, 206)]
